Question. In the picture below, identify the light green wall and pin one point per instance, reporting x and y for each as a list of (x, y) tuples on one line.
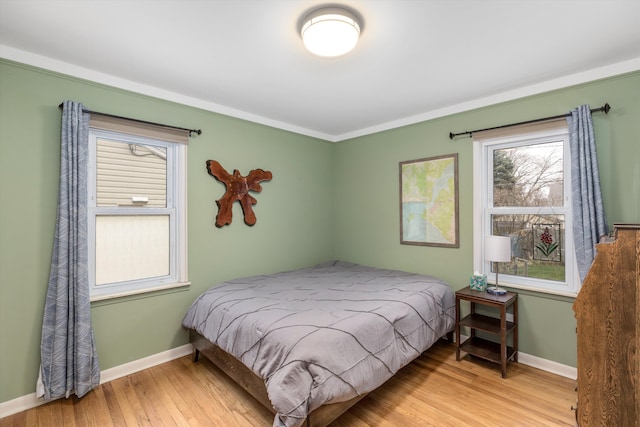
[(366, 194), (325, 201), (294, 214)]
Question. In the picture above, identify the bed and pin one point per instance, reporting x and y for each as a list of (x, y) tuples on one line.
[(310, 343)]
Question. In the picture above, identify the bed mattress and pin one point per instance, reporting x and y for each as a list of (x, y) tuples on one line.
[(324, 334)]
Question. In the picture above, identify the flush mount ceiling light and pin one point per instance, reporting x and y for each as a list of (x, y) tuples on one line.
[(330, 31)]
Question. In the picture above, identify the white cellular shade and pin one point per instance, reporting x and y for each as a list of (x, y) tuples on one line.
[(131, 248), (133, 127), (507, 131)]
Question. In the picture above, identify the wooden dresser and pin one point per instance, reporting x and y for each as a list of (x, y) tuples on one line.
[(608, 327)]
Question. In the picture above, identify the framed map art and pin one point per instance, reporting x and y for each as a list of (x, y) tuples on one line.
[(429, 202)]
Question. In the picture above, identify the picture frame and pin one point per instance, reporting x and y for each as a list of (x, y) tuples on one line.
[(429, 202)]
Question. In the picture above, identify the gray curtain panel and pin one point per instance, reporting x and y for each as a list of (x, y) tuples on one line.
[(69, 358), (589, 223)]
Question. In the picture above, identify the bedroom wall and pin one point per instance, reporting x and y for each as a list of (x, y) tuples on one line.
[(294, 214), (350, 187), (366, 195)]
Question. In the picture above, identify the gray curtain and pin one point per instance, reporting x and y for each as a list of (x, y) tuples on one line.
[(588, 211), (68, 352)]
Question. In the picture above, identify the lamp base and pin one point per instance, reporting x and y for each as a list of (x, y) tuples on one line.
[(494, 290)]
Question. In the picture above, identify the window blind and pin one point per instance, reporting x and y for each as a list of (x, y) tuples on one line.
[(134, 127), (546, 125)]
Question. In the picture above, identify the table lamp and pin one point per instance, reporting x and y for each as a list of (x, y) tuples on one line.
[(497, 249)]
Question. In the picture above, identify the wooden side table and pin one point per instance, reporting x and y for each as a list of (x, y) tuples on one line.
[(494, 352)]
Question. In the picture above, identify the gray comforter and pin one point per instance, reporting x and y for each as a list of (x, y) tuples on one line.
[(324, 334)]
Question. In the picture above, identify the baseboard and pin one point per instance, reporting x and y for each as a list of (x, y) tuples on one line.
[(548, 365), (144, 363), (29, 401), (19, 404), (542, 364)]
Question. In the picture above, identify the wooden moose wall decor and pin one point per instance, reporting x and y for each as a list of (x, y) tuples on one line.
[(238, 188)]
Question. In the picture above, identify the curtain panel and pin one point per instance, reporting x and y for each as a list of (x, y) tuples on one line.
[(589, 223), (69, 361)]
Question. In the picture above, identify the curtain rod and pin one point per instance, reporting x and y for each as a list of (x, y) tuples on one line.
[(606, 107), (196, 131)]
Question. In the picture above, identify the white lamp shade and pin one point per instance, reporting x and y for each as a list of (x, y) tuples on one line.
[(497, 248), (330, 32)]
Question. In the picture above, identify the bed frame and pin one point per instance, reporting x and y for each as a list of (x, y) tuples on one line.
[(255, 386)]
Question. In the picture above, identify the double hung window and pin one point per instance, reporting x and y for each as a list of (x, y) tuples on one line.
[(137, 211), (523, 191)]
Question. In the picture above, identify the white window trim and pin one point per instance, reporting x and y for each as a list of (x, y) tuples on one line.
[(177, 169), (481, 219)]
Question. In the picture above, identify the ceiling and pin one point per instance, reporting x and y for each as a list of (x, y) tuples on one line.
[(416, 60)]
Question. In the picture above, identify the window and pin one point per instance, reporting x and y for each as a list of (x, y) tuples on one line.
[(522, 191), (137, 212)]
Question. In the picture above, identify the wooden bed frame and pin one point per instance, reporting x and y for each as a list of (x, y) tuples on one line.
[(255, 386)]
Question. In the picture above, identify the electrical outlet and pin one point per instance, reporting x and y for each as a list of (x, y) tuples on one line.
[(509, 317)]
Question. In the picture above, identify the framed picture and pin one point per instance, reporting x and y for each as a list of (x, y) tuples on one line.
[(429, 202)]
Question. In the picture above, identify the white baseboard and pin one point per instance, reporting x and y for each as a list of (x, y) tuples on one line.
[(19, 404), (542, 364), (144, 363), (29, 401), (548, 365)]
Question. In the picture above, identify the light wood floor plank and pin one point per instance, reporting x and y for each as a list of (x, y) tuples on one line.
[(167, 383), (434, 390), (115, 411), (68, 413), (193, 381)]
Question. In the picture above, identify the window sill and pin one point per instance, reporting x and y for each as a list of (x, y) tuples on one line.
[(534, 290), (97, 298)]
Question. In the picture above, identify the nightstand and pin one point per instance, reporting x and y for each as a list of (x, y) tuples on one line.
[(492, 351)]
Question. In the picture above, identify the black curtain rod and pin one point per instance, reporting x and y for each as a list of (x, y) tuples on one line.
[(606, 107), (196, 131)]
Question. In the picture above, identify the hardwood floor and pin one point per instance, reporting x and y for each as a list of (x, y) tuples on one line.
[(434, 390)]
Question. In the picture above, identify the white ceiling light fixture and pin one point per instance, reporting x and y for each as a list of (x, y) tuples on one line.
[(330, 31)]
